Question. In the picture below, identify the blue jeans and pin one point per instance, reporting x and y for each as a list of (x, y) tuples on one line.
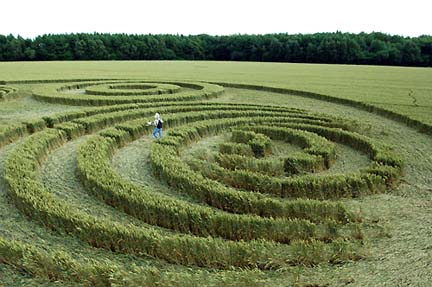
[(157, 131)]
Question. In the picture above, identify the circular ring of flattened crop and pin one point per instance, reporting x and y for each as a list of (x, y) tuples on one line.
[(132, 89), (241, 206), (240, 168), (6, 92), (99, 93)]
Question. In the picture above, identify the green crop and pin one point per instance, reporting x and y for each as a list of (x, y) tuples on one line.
[(265, 197)]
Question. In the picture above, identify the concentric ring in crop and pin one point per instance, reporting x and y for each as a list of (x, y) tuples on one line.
[(244, 202), (131, 91)]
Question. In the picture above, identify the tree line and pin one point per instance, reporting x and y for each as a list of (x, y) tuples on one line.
[(332, 48)]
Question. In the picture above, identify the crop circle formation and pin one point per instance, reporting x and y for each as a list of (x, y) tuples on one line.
[(121, 92), (242, 204)]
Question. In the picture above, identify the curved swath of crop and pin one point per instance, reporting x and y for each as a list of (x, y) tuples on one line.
[(125, 91), (134, 89), (246, 211), (6, 92)]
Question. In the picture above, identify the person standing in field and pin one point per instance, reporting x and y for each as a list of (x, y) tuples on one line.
[(158, 126)]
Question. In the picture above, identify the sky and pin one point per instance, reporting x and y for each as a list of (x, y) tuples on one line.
[(30, 18)]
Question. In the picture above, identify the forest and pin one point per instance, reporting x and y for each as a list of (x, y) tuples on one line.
[(332, 48)]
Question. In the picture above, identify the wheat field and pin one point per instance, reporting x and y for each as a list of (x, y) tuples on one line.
[(266, 174)]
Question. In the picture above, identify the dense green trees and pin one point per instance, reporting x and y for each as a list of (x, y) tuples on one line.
[(338, 48)]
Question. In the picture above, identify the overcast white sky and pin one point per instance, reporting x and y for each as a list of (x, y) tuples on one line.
[(30, 18)]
